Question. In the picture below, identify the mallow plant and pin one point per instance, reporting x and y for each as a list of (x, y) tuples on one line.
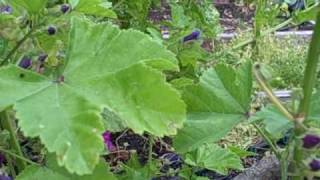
[(69, 77)]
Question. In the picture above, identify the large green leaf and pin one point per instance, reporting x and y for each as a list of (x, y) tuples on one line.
[(214, 158), (215, 105), (33, 172), (105, 69)]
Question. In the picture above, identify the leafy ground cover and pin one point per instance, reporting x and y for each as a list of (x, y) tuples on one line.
[(138, 90)]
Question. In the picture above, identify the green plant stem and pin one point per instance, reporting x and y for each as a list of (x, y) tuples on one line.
[(310, 75), (18, 157), (7, 124), (284, 168), (273, 146), (271, 30), (263, 84), (151, 141), (6, 59), (276, 150)]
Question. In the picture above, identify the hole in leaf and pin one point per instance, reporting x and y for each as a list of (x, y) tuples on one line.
[(21, 75)]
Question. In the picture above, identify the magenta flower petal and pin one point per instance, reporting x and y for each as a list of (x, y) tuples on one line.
[(108, 140)]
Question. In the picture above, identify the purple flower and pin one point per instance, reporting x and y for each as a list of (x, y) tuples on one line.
[(310, 141), (193, 36), (42, 57), (108, 140), (25, 62), (51, 30), (64, 8), (5, 9), (315, 165)]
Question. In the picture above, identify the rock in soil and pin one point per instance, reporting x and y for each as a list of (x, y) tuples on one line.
[(268, 168)]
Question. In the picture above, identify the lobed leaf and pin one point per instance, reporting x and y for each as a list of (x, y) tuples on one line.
[(214, 158), (215, 105), (106, 68)]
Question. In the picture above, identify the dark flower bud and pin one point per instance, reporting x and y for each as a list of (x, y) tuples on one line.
[(310, 141), (193, 36), (64, 8), (315, 165), (2, 159), (6, 9), (51, 30), (25, 62), (42, 57)]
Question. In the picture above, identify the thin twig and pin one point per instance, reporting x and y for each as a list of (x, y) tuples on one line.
[(19, 157)]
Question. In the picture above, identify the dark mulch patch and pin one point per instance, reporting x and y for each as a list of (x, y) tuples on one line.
[(128, 142)]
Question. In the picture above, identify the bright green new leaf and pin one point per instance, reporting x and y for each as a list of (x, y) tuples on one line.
[(105, 69), (215, 105), (179, 19), (275, 123), (95, 8), (32, 6), (33, 172), (215, 158)]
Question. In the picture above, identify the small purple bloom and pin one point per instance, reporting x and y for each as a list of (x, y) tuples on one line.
[(310, 141), (42, 57), (108, 140), (315, 165), (193, 36), (6, 9), (25, 62), (64, 8), (51, 30)]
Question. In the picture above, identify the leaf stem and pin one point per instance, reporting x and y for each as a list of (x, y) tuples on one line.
[(273, 146), (7, 124), (6, 59), (310, 75), (269, 92)]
